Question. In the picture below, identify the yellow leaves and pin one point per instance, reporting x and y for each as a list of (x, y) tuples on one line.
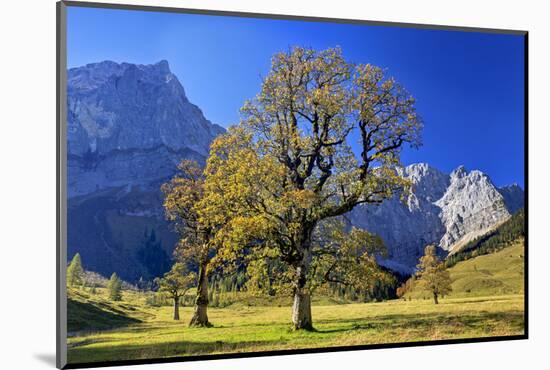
[(303, 89), (386, 110), (177, 281), (271, 180), (181, 195), (245, 228), (190, 170), (432, 274), (304, 199)]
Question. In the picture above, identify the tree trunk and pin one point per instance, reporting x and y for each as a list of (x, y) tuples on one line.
[(200, 316), (301, 309), (435, 299), (176, 308)]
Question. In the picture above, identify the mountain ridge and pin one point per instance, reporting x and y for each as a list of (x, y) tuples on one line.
[(116, 111), (443, 209), (130, 125)]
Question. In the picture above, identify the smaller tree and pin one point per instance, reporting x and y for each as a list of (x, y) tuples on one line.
[(184, 195), (432, 274), (400, 291), (176, 283), (75, 271), (114, 287), (405, 288)]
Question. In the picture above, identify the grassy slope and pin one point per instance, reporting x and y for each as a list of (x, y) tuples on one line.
[(87, 312), (492, 307), (488, 275), (496, 273)]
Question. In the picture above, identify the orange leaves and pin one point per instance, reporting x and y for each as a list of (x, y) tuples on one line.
[(432, 274)]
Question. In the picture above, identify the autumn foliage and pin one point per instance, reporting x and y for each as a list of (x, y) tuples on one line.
[(277, 185)]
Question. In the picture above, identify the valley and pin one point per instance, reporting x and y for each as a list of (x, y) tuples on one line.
[(487, 300)]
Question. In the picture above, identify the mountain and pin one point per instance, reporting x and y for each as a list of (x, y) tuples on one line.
[(128, 127), (513, 197), (445, 210), (500, 237)]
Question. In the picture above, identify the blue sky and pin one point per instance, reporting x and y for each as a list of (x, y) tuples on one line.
[(468, 85)]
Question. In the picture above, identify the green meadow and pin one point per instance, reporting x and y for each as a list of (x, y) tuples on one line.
[(487, 300)]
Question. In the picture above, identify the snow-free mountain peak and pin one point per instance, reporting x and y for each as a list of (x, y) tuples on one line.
[(443, 209), (129, 124)]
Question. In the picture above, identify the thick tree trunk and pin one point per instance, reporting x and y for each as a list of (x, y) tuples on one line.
[(176, 308), (200, 315), (301, 309), (435, 299)]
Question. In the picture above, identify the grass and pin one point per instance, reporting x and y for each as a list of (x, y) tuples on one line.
[(479, 308), (494, 274)]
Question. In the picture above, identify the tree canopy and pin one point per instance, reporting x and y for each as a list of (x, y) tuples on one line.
[(75, 271), (288, 169), (432, 274), (114, 287), (176, 283)]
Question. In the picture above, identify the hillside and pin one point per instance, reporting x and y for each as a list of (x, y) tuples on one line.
[(487, 301), (497, 273), (492, 241), (494, 274), (92, 312), (240, 329)]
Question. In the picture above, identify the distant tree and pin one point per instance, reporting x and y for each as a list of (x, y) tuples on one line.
[(141, 284), (176, 283), (114, 287), (406, 287), (400, 292), (432, 274), (75, 272)]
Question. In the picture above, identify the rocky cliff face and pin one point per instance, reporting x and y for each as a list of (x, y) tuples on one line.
[(445, 210), (128, 127), (513, 197)]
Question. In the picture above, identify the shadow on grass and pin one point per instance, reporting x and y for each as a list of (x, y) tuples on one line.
[(162, 350), (422, 326), (87, 317), (479, 320)]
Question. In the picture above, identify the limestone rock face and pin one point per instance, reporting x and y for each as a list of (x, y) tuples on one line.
[(129, 125), (471, 206), (445, 210)]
